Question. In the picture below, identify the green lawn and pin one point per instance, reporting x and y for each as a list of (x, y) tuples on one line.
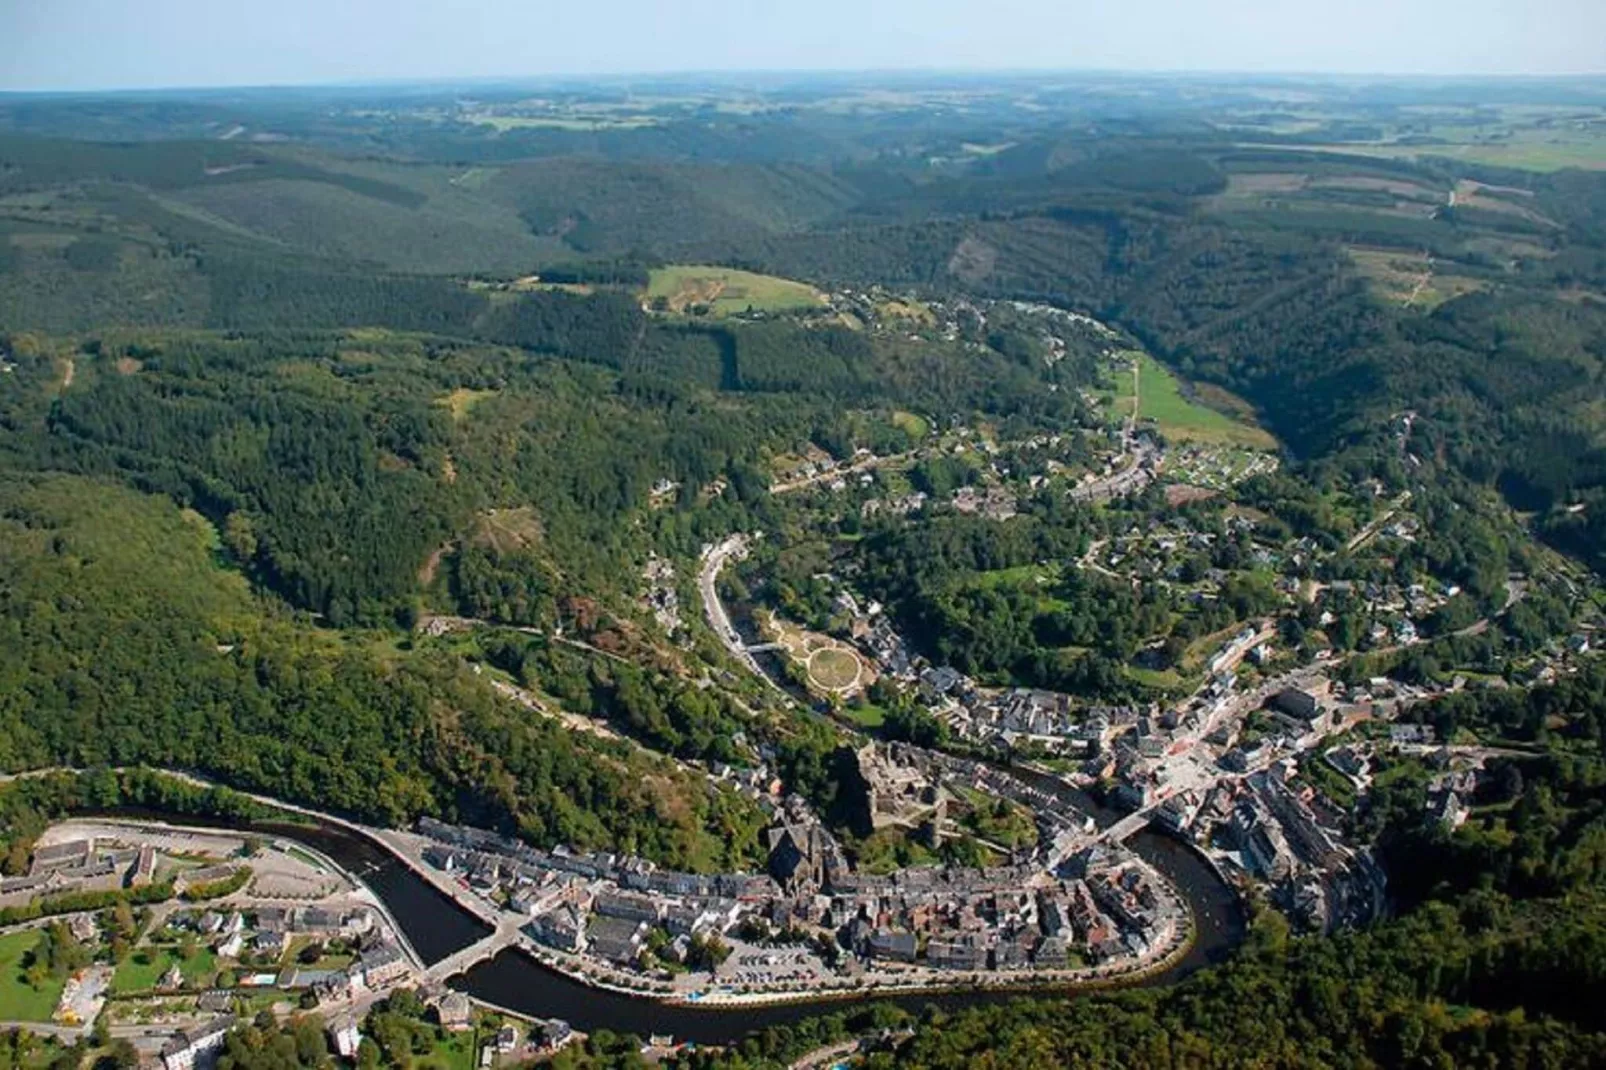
[(19, 1001), (913, 424), (1178, 417), (453, 1052), (141, 970), (1022, 576), (1158, 679), (728, 291), (866, 716)]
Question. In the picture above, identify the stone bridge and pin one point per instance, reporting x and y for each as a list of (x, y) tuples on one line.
[(505, 936)]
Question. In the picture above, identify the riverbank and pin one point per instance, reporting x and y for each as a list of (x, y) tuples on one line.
[(408, 848), (438, 924)]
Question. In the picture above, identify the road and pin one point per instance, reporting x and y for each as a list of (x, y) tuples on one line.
[(1366, 533), (1139, 457), (572, 720), (715, 558), (865, 464), (505, 936)]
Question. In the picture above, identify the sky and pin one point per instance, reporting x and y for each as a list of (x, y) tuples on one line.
[(102, 44)]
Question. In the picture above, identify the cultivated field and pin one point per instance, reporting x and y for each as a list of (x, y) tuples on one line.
[(728, 291)]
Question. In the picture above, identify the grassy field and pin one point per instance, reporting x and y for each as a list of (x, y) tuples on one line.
[(728, 291), (867, 716), (141, 970), (833, 669), (915, 426), (1182, 419), (1527, 150), (19, 1001), (1158, 679)]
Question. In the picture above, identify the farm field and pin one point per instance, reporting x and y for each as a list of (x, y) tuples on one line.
[(727, 291), (1161, 400), (20, 1001), (1527, 150)]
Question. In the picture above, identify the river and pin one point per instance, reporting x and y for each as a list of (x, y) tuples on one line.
[(436, 927)]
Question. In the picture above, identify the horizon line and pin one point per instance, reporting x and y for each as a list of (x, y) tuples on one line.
[(714, 74)]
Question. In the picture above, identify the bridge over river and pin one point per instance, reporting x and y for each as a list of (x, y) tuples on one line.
[(503, 937)]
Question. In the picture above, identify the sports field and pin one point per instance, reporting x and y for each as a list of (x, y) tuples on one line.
[(727, 291)]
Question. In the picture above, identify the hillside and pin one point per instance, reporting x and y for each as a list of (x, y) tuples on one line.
[(202, 676)]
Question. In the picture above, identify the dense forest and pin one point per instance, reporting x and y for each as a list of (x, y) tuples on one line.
[(199, 676)]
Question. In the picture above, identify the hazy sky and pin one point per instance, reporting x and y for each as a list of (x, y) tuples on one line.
[(72, 44)]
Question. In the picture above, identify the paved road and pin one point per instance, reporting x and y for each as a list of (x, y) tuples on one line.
[(714, 560)]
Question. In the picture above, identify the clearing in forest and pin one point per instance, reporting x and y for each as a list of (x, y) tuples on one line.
[(1413, 279), (727, 291), (1184, 419), (461, 402)]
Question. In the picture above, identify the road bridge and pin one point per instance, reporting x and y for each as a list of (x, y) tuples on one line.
[(1126, 828), (505, 936)]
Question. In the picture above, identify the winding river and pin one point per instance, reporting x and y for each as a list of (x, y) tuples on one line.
[(436, 927)]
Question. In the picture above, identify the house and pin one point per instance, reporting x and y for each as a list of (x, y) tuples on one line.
[(936, 683), (1298, 704), (797, 855), (344, 1036), (892, 945), (1449, 811), (1411, 733), (561, 929), (455, 1012), (382, 966), (957, 953), (317, 920), (73, 854), (215, 1001), (626, 906), (197, 1047), (556, 1034), (616, 939), (1052, 954)]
